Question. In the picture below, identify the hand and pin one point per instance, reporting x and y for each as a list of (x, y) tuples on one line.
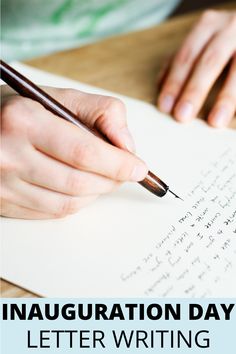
[(50, 167), (206, 51)]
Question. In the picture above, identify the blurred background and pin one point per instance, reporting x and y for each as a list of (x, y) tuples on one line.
[(32, 28)]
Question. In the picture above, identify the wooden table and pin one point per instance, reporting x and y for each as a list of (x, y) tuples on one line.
[(126, 64)]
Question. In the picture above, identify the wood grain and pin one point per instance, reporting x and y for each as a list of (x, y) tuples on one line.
[(126, 64)]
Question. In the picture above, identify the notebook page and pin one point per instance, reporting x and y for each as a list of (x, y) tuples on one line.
[(132, 243)]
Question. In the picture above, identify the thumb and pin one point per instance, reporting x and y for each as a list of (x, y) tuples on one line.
[(105, 114)]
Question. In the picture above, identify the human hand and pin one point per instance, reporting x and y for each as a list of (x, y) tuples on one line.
[(206, 51), (51, 168)]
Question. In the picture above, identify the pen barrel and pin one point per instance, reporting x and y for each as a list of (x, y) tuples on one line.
[(154, 184), (26, 88)]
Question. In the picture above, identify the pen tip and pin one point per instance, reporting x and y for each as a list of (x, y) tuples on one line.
[(176, 196)]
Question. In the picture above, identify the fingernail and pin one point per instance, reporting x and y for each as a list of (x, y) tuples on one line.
[(167, 103), (185, 111), (140, 171), (221, 117), (127, 139)]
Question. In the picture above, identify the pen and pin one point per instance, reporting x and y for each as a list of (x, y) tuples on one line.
[(26, 88)]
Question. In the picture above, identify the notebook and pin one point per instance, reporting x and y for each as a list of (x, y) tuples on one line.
[(131, 243)]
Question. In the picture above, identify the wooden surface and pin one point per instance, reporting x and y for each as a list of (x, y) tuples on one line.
[(126, 64)]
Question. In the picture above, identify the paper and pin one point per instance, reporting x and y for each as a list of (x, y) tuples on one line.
[(197, 252), (131, 243)]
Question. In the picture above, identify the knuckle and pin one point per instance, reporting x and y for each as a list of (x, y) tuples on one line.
[(192, 90), (14, 113), (114, 106), (15, 104), (65, 95), (70, 97), (111, 110), (171, 86), (70, 92), (211, 58), (81, 154), (66, 207), (185, 55), (209, 16)]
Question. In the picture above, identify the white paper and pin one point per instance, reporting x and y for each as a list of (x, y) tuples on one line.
[(131, 243)]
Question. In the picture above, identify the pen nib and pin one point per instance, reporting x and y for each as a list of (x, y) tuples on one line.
[(176, 196)]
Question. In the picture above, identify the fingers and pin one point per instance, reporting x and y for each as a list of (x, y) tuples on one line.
[(202, 58), (43, 171), (184, 61), (225, 106), (106, 114), (51, 168), (44, 201), (79, 149), (205, 73), (11, 210)]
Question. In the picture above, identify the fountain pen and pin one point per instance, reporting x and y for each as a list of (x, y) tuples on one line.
[(27, 88)]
